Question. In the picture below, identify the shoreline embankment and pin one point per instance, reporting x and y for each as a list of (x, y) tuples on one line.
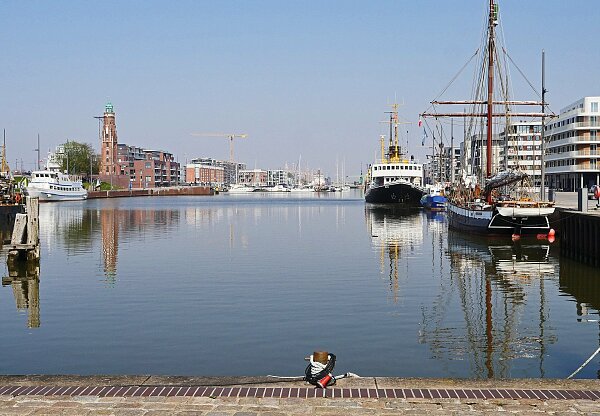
[(171, 191)]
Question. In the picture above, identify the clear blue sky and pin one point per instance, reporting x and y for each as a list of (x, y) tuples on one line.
[(310, 78)]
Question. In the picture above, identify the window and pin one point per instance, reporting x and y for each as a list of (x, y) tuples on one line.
[(594, 107)]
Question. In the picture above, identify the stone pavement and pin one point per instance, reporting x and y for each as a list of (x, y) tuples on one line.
[(246, 396)]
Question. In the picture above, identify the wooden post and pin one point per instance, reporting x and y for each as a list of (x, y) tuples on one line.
[(25, 240), (33, 227)]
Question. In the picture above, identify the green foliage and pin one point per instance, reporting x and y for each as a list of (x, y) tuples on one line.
[(104, 186), (76, 158)]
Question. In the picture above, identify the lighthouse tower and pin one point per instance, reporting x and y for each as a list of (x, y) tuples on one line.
[(108, 145)]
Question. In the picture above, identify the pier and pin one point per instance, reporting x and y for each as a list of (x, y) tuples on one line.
[(578, 225), (228, 396)]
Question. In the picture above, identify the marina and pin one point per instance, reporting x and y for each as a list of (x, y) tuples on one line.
[(352, 208), (456, 306)]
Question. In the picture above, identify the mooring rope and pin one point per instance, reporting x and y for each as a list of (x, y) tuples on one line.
[(318, 374), (585, 363), (315, 370)]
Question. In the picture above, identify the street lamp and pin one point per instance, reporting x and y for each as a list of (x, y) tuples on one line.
[(100, 118)]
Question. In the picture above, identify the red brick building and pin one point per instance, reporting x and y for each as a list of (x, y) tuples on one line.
[(158, 169)]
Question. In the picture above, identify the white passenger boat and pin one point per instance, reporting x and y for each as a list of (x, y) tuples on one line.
[(55, 186), (240, 189)]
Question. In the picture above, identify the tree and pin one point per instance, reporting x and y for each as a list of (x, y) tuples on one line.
[(77, 157)]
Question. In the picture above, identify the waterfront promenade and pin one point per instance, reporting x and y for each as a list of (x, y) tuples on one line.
[(246, 396)]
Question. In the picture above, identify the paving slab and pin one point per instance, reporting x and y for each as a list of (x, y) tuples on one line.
[(260, 396)]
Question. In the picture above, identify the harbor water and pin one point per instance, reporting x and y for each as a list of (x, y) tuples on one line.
[(252, 284)]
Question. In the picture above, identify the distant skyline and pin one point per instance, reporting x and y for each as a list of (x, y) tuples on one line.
[(302, 79)]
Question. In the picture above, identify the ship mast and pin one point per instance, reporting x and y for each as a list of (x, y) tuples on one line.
[(483, 106), (394, 149), (490, 91)]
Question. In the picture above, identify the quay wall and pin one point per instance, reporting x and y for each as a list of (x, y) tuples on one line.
[(173, 191), (580, 236)]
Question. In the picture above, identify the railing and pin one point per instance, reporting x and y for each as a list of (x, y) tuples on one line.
[(571, 126), (573, 140), (573, 154), (572, 168)]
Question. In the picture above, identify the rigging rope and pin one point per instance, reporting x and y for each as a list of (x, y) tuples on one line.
[(454, 78), (585, 363), (521, 72)]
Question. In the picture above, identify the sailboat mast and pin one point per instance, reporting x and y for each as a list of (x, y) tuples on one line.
[(452, 151), (490, 103), (542, 144)]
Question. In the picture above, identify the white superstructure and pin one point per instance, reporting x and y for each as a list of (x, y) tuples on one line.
[(402, 171), (55, 186)]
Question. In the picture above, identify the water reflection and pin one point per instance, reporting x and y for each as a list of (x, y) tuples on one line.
[(431, 302), (583, 283), (395, 233), (489, 307), (76, 229), (24, 279), (498, 287)]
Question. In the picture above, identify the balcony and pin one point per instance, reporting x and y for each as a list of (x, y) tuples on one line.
[(595, 125), (571, 169), (574, 140), (577, 154)]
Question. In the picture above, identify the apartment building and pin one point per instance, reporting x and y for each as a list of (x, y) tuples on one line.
[(253, 177), (206, 175), (230, 169), (475, 158), (522, 149), (279, 176), (573, 146), (157, 169)]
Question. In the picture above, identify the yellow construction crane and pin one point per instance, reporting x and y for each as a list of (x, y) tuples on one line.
[(229, 136)]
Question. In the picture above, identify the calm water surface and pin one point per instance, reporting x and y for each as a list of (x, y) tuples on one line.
[(250, 285)]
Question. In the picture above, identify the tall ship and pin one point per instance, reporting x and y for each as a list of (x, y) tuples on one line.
[(490, 198), (394, 179)]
